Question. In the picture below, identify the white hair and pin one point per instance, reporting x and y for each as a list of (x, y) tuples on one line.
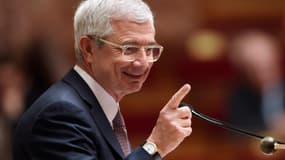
[(93, 17)]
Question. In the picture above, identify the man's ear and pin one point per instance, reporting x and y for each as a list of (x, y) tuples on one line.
[(87, 48)]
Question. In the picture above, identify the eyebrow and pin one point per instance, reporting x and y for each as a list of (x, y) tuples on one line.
[(131, 42)]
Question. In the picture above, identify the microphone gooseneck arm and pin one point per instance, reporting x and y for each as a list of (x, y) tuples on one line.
[(268, 145), (220, 123)]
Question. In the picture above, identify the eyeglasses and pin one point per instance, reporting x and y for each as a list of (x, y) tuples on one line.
[(131, 52)]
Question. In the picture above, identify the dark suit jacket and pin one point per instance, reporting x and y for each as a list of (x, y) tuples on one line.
[(67, 123), (245, 109)]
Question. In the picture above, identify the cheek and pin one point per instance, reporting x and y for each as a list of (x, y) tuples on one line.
[(104, 69), (117, 68)]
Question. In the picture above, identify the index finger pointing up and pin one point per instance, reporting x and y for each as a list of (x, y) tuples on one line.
[(178, 96)]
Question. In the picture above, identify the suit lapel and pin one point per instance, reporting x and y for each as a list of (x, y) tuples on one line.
[(73, 79)]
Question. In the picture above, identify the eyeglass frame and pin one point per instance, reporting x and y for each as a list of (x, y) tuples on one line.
[(124, 47)]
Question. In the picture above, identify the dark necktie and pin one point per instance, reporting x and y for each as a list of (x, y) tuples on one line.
[(121, 133)]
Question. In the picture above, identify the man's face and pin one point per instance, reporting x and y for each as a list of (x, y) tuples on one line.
[(118, 76)]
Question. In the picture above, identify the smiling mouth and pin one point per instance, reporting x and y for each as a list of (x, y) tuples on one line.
[(133, 76)]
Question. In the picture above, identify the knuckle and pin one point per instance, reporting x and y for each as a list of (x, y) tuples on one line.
[(164, 116), (186, 109), (185, 112), (173, 98), (162, 112), (189, 131)]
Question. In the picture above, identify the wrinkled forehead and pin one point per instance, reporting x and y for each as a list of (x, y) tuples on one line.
[(124, 25), (125, 30)]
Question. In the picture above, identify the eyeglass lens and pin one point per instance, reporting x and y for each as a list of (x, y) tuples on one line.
[(152, 53)]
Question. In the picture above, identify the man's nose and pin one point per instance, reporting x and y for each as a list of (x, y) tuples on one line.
[(141, 59)]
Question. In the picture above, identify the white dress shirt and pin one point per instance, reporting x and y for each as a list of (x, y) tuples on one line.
[(107, 102)]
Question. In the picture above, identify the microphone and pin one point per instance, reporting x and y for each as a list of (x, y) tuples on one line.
[(268, 145)]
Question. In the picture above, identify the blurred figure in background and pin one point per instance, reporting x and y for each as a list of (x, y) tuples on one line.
[(258, 101), (33, 54), (12, 93)]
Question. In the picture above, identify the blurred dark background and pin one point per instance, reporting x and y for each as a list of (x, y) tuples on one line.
[(36, 49)]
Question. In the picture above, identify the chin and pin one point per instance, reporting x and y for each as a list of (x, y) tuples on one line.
[(135, 87)]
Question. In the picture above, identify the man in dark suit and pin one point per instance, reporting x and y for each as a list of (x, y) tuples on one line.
[(79, 117), (259, 97)]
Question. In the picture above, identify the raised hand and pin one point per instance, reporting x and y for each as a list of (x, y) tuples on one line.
[(173, 123)]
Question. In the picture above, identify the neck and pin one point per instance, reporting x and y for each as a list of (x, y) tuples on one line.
[(87, 68)]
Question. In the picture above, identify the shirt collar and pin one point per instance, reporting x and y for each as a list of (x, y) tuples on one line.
[(107, 102)]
